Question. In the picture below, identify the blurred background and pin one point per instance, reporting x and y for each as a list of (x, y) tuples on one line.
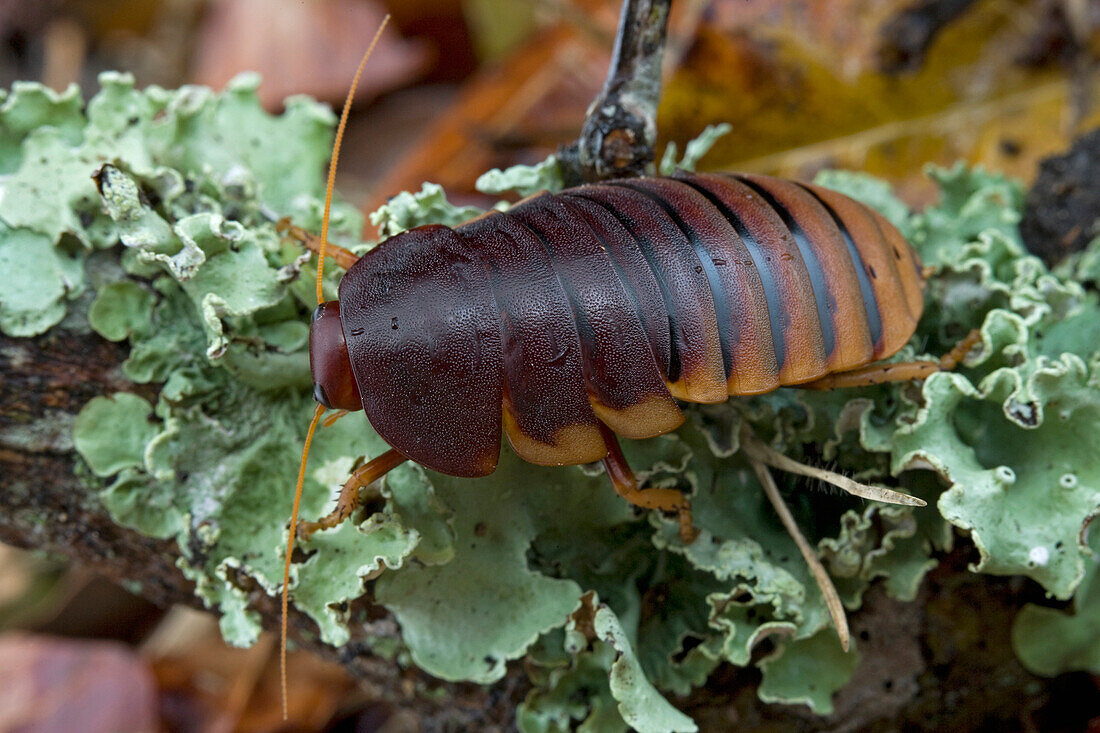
[(460, 86)]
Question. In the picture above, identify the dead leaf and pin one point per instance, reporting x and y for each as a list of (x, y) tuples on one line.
[(208, 686), (49, 684), (301, 48)]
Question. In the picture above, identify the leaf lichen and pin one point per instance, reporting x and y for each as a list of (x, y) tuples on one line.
[(214, 305)]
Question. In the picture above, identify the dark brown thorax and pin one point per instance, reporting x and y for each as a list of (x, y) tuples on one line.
[(423, 342)]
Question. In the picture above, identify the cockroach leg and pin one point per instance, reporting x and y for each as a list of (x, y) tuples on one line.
[(626, 486), (349, 498), (951, 359), (824, 582), (345, 258), (904, 371), (759, 451), (332, 419)]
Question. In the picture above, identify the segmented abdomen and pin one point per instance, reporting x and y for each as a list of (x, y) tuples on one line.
[(616, 298)]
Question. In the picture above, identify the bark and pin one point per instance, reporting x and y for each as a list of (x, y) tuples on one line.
[(45, 505), (941, 662)]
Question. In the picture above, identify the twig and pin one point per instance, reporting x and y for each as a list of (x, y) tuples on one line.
[(619, 135)]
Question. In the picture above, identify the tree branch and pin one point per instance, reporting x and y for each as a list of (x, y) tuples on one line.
[(47, 505), (619, 135)]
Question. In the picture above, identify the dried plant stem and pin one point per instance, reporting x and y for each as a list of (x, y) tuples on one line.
[(619, 135)]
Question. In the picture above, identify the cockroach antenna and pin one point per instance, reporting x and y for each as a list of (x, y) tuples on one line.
[(336, 159), (320, 408)]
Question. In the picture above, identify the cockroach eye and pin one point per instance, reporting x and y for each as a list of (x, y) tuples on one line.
[(319, 395)]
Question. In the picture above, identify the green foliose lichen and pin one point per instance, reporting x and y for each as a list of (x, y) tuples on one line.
[(427, 206), (523, 179), (214, 304), (693, 151), (1051, 641)]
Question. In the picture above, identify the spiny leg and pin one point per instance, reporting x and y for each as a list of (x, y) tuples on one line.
[(345, 258), (952, 358), (824, 582), (899, 371), (626, 486), (349, 499), (760, 456), (761, 452)]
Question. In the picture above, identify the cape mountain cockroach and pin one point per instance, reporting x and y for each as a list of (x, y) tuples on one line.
[(574, 317)]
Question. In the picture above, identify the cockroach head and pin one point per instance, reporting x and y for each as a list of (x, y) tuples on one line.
[(334, 384)]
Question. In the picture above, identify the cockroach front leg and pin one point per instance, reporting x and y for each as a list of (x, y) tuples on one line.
[(345, 258), (904, 371), (349, 498), (626, 486)]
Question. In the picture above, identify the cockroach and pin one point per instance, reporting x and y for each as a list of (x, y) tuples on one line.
[(576, 317)]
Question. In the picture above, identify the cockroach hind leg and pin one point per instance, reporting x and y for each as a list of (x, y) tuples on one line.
[(820, 575), (902, 371), (760, 452), (351, 494), (953, 358), (626, 486), (688, 531)]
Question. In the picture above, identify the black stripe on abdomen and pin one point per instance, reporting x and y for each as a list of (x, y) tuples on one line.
[(628, 286), (870, 302), (767, 281), (809, 258), (645, 246), (580, 320), (717, 291)]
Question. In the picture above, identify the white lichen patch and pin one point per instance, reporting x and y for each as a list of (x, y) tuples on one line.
[(1038, 555)]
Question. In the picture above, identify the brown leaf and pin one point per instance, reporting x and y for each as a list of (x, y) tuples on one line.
[(301, 48), (208, 686), (802, 85), (64, 685)]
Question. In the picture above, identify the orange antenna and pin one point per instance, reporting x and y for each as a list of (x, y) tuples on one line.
[(290, 547), (320, 408), (336, 158)]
